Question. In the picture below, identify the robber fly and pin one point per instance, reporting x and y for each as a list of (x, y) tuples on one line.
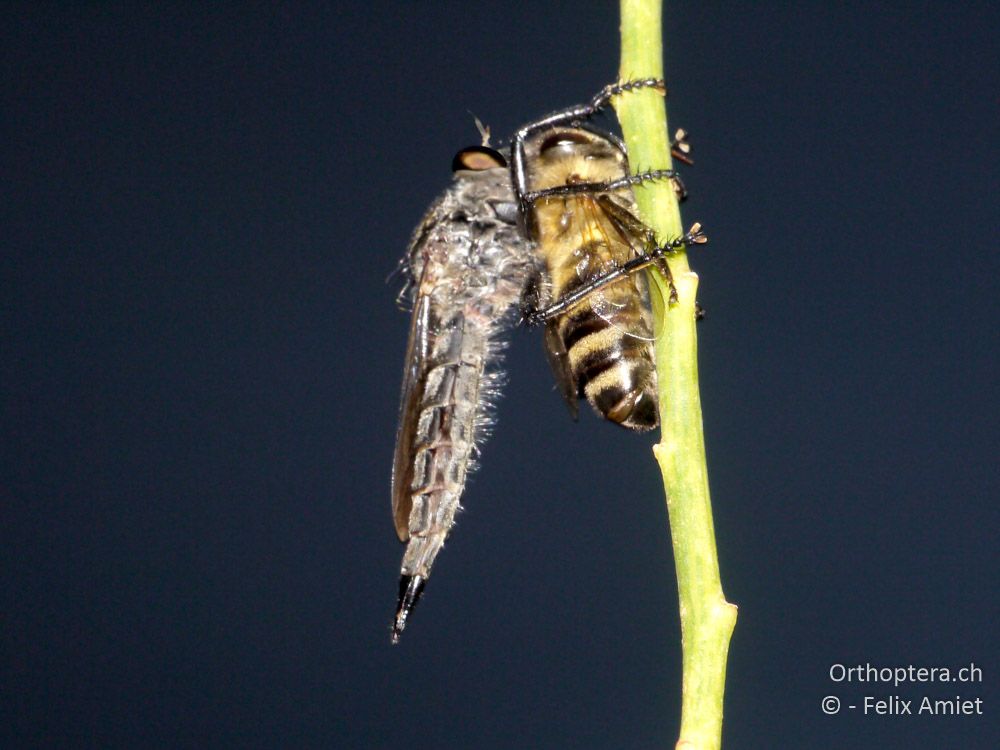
[(555, 236), (468, 265)]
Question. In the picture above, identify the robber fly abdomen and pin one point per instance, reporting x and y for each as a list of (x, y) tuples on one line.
[(469, 264)]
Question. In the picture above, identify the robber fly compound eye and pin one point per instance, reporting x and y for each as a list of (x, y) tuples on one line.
[(477, 159)]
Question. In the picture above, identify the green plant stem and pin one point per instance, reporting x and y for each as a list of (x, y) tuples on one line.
[(707, 619)]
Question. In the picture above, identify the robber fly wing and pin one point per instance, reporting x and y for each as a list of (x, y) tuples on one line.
[(414, 379)]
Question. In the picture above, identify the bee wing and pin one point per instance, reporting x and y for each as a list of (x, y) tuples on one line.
[(414, 380), (617, 230), (555, 350)]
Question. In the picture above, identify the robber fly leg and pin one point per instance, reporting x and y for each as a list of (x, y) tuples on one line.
[(631, 226), (649, 176), (652, 254), (591, 188), (558, 308), (570, 116), (614, 89), (634, 227)]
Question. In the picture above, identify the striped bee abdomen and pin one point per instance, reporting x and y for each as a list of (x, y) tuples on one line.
[(609, 354)]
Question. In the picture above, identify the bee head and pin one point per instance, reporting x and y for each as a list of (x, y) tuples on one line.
[(565, 155)]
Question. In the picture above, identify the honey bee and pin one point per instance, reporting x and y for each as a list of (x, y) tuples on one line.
[(575, 191), (554, 236)]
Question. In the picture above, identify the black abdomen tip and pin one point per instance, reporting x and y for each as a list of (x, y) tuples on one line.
[(633, 408), (410, 589)]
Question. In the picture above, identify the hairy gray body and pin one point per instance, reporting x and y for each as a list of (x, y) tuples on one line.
[(469, 265)]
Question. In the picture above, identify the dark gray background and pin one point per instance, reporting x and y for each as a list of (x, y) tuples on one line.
[(201, 364)]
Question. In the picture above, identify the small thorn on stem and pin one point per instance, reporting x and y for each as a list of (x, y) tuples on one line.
[(680, 148)]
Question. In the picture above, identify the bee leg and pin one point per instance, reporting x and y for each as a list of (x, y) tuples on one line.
[(530, 302), (664, 268)]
